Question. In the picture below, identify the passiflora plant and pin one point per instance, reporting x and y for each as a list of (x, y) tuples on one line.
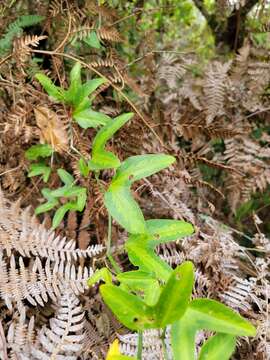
[(154, 296)]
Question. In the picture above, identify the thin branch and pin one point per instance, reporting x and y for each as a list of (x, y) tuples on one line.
[(200, 6)]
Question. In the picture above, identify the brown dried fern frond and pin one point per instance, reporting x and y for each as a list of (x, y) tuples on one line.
[(152, 345), (17, 122), (96, 63), (21, 333), (22, 46), (190, 180), (63, 339), (104, 11), (65, 334), (170, 70), (3, 343), (56, 7), (191, 131), (39, 281), (241, 62), (215, 90), (20, 232), (110, 34)]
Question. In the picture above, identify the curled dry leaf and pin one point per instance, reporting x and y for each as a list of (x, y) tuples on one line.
[(53, 130)]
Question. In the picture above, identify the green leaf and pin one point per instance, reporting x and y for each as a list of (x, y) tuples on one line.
[(212, 315), (83, 105), (47, 193), (124, 209), (39, 150), (138, 167), (165, 230), (140, 248), (72, 93), (108, 131), (49, 205), (72, 191), (90, 119), (218, 347), (175, 296), (141, 253), (83, 167), (40, 169), (183, 339), (135, 276), (101, 274), (92, 40), (89, 87), (141, 281), (65, 177), (81, 199), (118, 200), (54, 91), (102, 159), (105, 160), (82, 102), (130, 310), (60, 213)]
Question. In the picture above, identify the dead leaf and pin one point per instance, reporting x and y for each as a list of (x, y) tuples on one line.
[(53, 131)]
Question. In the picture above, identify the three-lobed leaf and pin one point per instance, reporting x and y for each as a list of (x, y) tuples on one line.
[(118, 199), (141, 248), (102, 159), (49, 205), (67, 191)]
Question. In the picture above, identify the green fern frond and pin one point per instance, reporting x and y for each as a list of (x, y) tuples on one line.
[(15, 29)]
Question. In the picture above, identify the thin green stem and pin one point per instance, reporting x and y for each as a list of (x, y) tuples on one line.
[(165, 353), (109, 239), (140, 345), (108, 245)]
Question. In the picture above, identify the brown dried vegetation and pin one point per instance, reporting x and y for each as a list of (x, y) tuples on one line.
[(206, 121)]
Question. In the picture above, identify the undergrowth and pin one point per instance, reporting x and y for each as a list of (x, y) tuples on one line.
[(135, 155)]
